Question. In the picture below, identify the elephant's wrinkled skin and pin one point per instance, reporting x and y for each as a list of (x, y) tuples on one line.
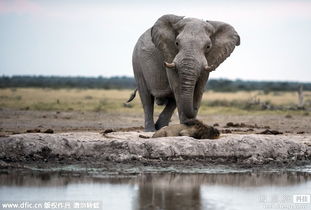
[(172, 61)]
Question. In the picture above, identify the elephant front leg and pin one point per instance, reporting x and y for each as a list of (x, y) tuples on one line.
[(166, 114), (173, 79)]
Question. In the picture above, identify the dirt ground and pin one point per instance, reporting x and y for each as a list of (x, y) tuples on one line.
[(22, 121), (73, 127)]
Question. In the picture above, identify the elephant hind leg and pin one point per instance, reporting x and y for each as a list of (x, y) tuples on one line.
[(166, 114), (148, 104)]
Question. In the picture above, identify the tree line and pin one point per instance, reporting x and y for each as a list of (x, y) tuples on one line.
[(123, 82)]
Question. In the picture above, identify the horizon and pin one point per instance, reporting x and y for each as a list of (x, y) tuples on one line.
[(129, 76), (96, 38)]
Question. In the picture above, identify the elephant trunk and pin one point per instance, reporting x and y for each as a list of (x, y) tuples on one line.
[(187, 103), (188, 79), (189, 65)]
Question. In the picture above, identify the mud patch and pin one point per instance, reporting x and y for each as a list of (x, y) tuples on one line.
[(270, 132), (37, 130), (244, 125)]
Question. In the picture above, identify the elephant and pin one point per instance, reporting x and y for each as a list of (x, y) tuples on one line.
[(192, 127), (172, 61)]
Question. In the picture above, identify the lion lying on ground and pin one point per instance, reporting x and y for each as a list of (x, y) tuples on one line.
[(193, 128)]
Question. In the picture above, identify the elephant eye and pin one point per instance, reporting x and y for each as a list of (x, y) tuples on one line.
[(208, 47), (176, 43)]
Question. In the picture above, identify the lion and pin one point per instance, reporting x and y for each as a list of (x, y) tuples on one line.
[(193, 128)]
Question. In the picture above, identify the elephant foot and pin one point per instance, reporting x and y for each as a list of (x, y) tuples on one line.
[(158, 126), (149, 129)]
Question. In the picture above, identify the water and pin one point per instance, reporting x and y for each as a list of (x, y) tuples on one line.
[(225, 191)]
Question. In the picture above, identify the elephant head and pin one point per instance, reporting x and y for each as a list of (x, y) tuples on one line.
[(190, 48)]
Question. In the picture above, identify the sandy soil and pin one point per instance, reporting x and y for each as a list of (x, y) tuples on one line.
[(19, 121)]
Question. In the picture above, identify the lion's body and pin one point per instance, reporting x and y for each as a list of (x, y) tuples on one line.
[(172, 130), (192, 128)]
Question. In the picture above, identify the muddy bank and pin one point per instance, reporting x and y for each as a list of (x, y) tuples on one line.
[(19, 121), (136, 149)]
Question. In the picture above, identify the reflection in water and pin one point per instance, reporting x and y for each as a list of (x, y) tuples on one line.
[(169, 191), (157, 191)]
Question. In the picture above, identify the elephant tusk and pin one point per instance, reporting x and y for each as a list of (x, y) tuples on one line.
[(208, 68), (170, 65)]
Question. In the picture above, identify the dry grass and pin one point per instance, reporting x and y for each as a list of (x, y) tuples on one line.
[(113, 100), (276, 98), (65, 99)]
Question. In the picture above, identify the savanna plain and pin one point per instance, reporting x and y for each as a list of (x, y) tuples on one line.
[(63, 110)]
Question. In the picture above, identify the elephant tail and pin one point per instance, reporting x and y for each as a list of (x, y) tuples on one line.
[(133, 95)]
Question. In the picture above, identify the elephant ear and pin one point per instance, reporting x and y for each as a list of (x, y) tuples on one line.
[(224, 40), (163, 36)]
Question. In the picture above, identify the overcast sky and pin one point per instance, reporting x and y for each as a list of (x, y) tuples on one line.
[(96, 38)]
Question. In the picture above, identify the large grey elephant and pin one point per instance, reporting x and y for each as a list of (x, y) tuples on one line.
[(172, 61)]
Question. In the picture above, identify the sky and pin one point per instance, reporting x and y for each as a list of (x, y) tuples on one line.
[(97, 37)]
